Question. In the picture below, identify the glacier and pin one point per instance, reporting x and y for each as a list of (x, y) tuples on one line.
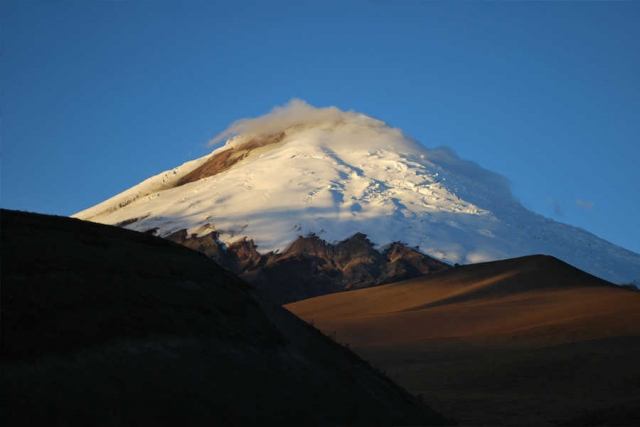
[(334, 173)]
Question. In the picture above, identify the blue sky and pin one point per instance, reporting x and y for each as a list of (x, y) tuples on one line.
[(98, 96)]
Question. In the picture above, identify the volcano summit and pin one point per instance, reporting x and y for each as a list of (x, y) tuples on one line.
[(301, 170)]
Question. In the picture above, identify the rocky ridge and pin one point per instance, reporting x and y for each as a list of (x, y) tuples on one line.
[(311, 267)]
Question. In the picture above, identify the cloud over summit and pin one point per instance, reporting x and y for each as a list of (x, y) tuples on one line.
[(298, 112), (585, 204), (295, 112)]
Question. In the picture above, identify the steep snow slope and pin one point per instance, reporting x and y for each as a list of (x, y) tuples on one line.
[(301, 170)]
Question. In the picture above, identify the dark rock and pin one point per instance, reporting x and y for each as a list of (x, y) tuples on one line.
[(311, 267)]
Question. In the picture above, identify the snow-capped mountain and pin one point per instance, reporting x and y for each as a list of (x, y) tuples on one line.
[(302, 170)]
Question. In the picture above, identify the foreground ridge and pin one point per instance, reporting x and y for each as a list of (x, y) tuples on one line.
[(107, 326)]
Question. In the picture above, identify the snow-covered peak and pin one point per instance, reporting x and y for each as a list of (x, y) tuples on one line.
[(301, 170)]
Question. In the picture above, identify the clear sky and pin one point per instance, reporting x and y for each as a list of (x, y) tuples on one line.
[(97, 96)]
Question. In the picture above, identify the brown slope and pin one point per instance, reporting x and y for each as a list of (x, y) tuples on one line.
[(226, 159), (102, 325), (524, 341)]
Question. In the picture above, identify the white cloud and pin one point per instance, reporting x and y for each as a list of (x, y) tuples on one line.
[(295, 112), (585, 204)]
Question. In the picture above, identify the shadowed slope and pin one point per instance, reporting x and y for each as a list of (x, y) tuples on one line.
[(523, 341), (106, 326)]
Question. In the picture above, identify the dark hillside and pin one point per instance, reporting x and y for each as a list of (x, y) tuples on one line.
[(106, 326)]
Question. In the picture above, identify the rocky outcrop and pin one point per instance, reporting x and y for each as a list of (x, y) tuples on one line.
[(238, 257), (312, 267), (227, 158)]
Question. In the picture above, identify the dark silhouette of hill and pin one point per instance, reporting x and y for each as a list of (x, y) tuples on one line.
[(524, 341), (105, 326)]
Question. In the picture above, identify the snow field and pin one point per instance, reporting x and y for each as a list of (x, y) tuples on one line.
[(357, 174)]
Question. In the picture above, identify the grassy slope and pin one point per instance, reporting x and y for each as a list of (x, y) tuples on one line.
[(528, 341)]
